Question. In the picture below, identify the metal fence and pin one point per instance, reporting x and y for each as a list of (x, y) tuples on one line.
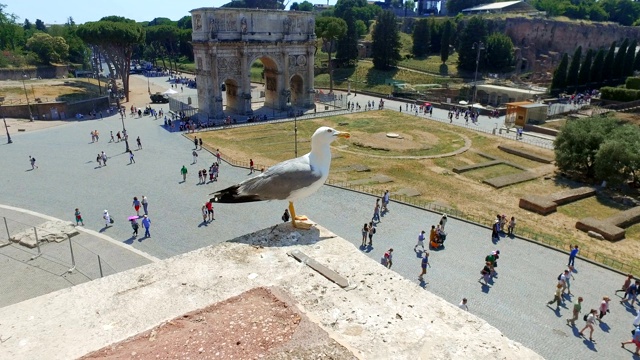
[(60, 259), (521, 231)]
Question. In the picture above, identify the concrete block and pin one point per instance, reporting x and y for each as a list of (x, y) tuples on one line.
[(607, 230), (539, 204)]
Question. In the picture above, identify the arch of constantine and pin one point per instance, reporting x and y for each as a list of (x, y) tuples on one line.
[(227, 41)]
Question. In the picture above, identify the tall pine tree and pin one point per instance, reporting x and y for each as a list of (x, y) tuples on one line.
[(607, 67), (574, 68), (347, 46), (596, 67), (559, 81), (618, 63), (421, 38), (584, 77), (474, 32), (446, 41), (629, 58), (385, 47)]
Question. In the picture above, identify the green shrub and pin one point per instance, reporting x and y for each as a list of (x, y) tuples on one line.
[(633, 83), (619, 94)]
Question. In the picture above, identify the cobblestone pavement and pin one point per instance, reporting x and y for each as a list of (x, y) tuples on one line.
[(68, 177)]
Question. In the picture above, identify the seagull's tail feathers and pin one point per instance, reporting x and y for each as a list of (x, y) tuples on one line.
[(231, 195)]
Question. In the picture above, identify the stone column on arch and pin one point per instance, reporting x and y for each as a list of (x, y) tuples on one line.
[(216, 98), (245, 74), (309, 83), (286, 87)]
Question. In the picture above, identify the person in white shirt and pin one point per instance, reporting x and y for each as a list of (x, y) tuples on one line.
[(463, 305)]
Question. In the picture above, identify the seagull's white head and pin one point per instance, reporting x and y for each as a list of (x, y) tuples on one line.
[(325, 136)]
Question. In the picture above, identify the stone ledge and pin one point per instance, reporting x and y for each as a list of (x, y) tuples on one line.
[(538, 204), (461, 169), (526, 155), (568, 196), (506, 180), (390, 322), (607, 230), (625, 218)]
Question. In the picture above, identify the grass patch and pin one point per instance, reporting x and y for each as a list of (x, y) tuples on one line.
[(491, 172), (432, 64), (598, 207)]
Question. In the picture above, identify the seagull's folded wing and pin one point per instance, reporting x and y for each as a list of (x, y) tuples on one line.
[(279, 181)]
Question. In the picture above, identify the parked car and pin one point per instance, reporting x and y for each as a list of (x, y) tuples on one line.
[(159, 98)]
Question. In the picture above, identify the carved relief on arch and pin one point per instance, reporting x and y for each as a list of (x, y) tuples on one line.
[(197, 22), (199, 67)]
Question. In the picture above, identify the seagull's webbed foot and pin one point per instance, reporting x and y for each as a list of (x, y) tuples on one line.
[(301, 220)]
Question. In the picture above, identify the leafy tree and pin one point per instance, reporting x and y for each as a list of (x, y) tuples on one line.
[(574, 68), (559, 81), (40, 25), (11, 34), (49, 49), (474, 32), (255, 4), (607, 67), (456, 6), (578, 142), (447, 28), (624, 12), (294, 6), (584, 77), (618, 63), (165, 39), (305, 6), (116, 41), (596, 67), (347, 45), (409, 4), (27, 24), (161, 21), (386, 44), (629, 59), (636, 62), (618, 158), (551, 7), (330, 29), (499, 52), (421, 38), (361, 28), (185, 22)]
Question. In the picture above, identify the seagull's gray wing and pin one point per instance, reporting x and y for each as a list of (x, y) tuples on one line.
[(279, 181)]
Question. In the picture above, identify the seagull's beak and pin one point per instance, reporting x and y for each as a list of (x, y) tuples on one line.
[(341, 134)]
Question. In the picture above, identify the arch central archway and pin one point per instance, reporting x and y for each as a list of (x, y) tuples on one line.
[(227, 42)]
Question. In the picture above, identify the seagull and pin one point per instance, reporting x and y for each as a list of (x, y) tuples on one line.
[(290, 180)]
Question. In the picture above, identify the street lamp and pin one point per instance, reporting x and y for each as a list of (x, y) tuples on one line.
[(26, 96), (478, 46), (295, 132), (6, 128)]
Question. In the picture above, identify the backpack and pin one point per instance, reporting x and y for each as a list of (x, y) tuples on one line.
[(384, 260), (559, 277), (585, 317), (374, 230), (33, 159)]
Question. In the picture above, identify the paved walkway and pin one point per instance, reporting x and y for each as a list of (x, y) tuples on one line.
[(68, 177)]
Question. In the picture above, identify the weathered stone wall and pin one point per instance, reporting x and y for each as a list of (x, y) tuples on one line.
[(539, 39), (43, 72), (54, 110)]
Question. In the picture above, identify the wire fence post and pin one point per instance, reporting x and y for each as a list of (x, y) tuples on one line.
[(7, 227), (35, 231), (73, 260), (100, 266)]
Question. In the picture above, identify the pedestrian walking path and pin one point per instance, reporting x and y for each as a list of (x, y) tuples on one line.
[(68, 177)]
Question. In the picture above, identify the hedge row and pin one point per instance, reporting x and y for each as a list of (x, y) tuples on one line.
[(633, 83), (619, 94)]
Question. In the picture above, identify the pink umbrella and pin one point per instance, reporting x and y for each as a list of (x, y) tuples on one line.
[(134, 217), (427, 104)]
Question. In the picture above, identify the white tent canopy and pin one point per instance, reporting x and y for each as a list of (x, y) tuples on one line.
[(170, 92)]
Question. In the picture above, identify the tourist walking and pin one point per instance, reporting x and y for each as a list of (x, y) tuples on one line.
[(443, 221), (200, 142), (135, 227), (145, 204), (562, 280), (210, 210), (79, 218), (635, 339), (204, 212), (420, 241), (577, 309), (250, 166), (107, 219), (146, 222), (495, 230), (136, 205), (590, 319), (423, 265), (285, 216), (139, 143), (119, 136), (463, 304), (112, 139), (387, 258), (131, 159), (365, 232), (557, 297), (493, 260), (32, 161), (572, 255), (385, 201), (184, 172), (195, 157), (195, 142), (376, 211), (218, 156), (512, 226), (104, 158), (568, 277), (372, 230), (486, 273), (626, 284), (631, 294), (604, 307), (99, 160)]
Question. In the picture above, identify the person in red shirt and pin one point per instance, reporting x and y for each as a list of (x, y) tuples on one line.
[(209, 205)]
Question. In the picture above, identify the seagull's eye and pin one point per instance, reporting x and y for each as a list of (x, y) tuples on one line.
[(328, 130)]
